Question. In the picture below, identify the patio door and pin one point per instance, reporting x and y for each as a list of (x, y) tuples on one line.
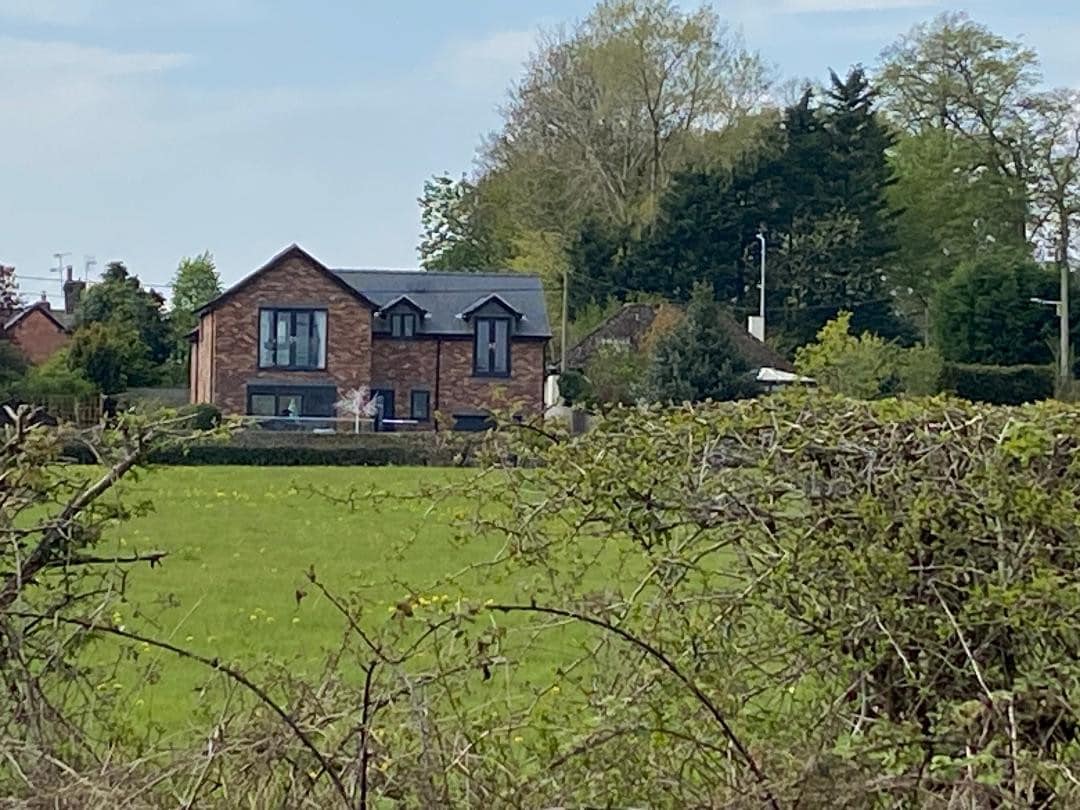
[(384, 402)]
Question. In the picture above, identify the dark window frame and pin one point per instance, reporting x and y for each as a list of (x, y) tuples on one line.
[(397, 325), (292, 312), (278, 399), (491, 347), (413, 410)]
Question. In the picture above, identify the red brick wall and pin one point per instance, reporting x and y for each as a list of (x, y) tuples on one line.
[(292, 282), (404, 365), (461, 392), (37, 336)]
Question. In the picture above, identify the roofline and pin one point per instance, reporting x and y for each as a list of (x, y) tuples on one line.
[(485, 299), (625, 306), (401, 299), (22, 313), (421, 272), (293, 249)]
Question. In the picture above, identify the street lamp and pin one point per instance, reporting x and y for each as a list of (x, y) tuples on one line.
[(757, 324), (1061, 308)]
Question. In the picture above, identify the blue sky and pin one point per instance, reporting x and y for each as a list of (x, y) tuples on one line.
[(145, 130)]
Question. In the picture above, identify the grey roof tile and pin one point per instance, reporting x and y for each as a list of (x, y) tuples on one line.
[(446, 296)]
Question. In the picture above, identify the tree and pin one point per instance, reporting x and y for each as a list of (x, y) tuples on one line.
[(956, 75), (463, 226), (195, 283), (55, 378), (983, 313), (948, 206), (111, 356), (9, 290), (697, 360), (606, 109), (134, 328), (13, 366), (816, 187)]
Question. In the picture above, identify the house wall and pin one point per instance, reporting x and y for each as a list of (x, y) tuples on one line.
[(292, 282), (37, 336), (407, 365), (202, 361), (461, 392)]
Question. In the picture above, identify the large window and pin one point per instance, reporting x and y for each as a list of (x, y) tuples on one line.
[(292, 338), (420, 405), (491, 352), (277, 405), (403, 325)]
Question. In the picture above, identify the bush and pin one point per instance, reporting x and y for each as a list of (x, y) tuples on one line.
[(868, 366), (203, 416), (615, 373), (999, 385), (573, 387), (55, 378), (266, 449), (983, 314)]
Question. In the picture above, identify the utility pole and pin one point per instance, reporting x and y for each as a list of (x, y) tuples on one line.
[(1064, 361), (565, 317), (756, 326)]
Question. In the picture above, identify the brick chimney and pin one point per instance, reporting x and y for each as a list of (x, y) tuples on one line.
[(73, 291)]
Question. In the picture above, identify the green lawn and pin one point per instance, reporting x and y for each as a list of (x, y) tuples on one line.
[(239, 540)]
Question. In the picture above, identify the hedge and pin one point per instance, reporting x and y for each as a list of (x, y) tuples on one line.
[(267, 449), (999, 385)]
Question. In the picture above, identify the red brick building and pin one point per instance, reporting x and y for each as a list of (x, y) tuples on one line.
[(295, 336), (37, 331)]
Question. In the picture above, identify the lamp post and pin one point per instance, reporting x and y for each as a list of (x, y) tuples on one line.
[(1061, 307), (760, 332)]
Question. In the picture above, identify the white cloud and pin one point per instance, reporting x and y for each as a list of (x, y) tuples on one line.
[(819, 6), (63, 102)]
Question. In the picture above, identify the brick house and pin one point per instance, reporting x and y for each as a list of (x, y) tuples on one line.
[(294, 336), (40, 331)]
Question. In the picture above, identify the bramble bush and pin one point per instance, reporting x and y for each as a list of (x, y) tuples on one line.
[(800, 601)]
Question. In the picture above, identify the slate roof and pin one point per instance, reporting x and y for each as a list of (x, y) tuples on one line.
[(447, 296), (62, 319)]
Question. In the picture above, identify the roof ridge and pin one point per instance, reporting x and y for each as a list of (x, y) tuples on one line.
[(422, 272)]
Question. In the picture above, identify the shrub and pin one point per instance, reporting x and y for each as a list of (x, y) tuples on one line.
[(615, 374), (55, 378), (271, 449), (203, 416), (573, 386), (868, 366), (983, 314), (999, 385)]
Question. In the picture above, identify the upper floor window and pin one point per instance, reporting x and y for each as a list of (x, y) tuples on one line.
[(491, 351), (403, 325), (292, 338)]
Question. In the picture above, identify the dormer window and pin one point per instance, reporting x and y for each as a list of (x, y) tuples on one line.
[(403, 324), (491, 350)]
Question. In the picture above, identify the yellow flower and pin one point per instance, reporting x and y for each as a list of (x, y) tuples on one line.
[(296, 620), (519, 739)]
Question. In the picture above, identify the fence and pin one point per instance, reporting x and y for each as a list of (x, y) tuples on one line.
[(330, 424), (81, 411)]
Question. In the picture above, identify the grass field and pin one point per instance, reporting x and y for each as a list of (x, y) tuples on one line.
[(239, 541)]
